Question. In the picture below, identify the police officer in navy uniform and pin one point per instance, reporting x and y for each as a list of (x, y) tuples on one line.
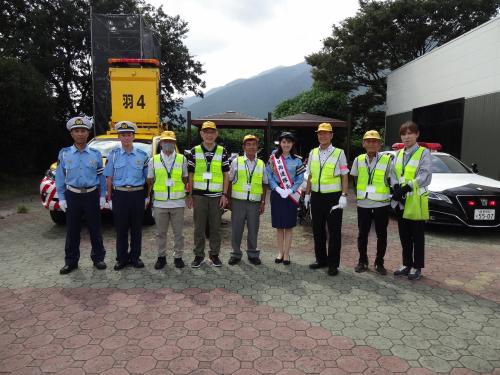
[(81, 189), (126, 172)]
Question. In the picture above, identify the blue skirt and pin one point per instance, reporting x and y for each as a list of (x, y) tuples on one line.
[(283, 212)]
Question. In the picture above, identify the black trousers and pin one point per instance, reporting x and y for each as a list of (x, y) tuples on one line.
[(412, 236), (322, 218), (85, 205), (381, 217), (128, 213)]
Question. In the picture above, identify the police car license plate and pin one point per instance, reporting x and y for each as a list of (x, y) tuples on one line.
[(484, 214)]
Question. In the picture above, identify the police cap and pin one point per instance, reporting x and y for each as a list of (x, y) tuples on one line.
[(125, 126), (79, 122)]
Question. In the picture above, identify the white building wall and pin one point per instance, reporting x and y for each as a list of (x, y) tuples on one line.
[(465, 67)]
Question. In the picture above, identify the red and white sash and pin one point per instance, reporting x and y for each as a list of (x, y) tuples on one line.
[(285, 180)]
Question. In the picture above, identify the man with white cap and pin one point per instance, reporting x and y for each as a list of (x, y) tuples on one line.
[(81, 189), (371, 172), (328, 181), (167, 177), (126, 172)]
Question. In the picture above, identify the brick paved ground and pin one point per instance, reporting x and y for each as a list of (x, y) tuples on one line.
[(246, 319)]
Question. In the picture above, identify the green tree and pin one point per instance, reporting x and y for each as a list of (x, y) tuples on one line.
[(381, 37), (54, 37), (315, 101), (27, 110)]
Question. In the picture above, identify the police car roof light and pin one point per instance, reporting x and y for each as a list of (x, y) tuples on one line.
[(432, 146)]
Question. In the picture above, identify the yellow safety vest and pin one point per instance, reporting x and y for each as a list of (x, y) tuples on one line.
[(175, 188), (417, 201), (322, 178), (214, 184), (248, 186), (377, 179)]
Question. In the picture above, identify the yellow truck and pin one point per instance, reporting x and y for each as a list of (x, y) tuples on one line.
[(134, 97)]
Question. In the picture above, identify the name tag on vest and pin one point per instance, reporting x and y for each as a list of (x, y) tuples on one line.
[(169, 182), (370, 189), (402, 180), (246, 187), (207, 175)]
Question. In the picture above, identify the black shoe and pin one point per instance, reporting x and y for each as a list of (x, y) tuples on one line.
[(68, 268), (380, 269), (415, 274), (137, 263), (232, 261), (333, 271), (215, 260), (286, 262), (316, 265), (197, 262), (361, 267), (100, 265), (179, 263), (160, 263), (120, 265), (255, 261), (402, 271), (278, 260)]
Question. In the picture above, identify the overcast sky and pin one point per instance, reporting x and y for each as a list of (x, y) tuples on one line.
[(240, 38)]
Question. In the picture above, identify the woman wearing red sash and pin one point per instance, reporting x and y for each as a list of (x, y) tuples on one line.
[(285, 172)]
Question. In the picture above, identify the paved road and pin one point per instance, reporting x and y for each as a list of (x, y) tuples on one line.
[(246, 319)]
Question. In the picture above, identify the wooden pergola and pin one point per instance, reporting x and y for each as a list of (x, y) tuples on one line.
[(236, 120)]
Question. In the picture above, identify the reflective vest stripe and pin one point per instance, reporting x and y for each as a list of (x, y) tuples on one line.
[(238, 190), (322, 178), (417, 201), (410, 170), (160, 188), (214, 184), (382, 191)]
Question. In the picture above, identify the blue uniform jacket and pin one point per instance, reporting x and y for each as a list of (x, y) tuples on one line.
[(80, 169), (127, 168)]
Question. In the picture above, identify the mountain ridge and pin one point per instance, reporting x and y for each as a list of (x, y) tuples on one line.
[(255, 96)]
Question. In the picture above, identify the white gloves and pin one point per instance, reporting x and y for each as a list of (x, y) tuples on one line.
[(102, 202), (307, 200), (63, 206), (282, 192), (146, 203), (288, 192), (342, 202)]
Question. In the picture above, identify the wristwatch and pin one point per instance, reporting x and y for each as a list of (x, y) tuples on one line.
[(224, 194), (344, 194)]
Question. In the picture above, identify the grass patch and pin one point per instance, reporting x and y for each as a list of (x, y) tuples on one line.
[(22, 209)]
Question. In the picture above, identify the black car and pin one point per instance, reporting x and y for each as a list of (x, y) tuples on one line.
[(457, 195)]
